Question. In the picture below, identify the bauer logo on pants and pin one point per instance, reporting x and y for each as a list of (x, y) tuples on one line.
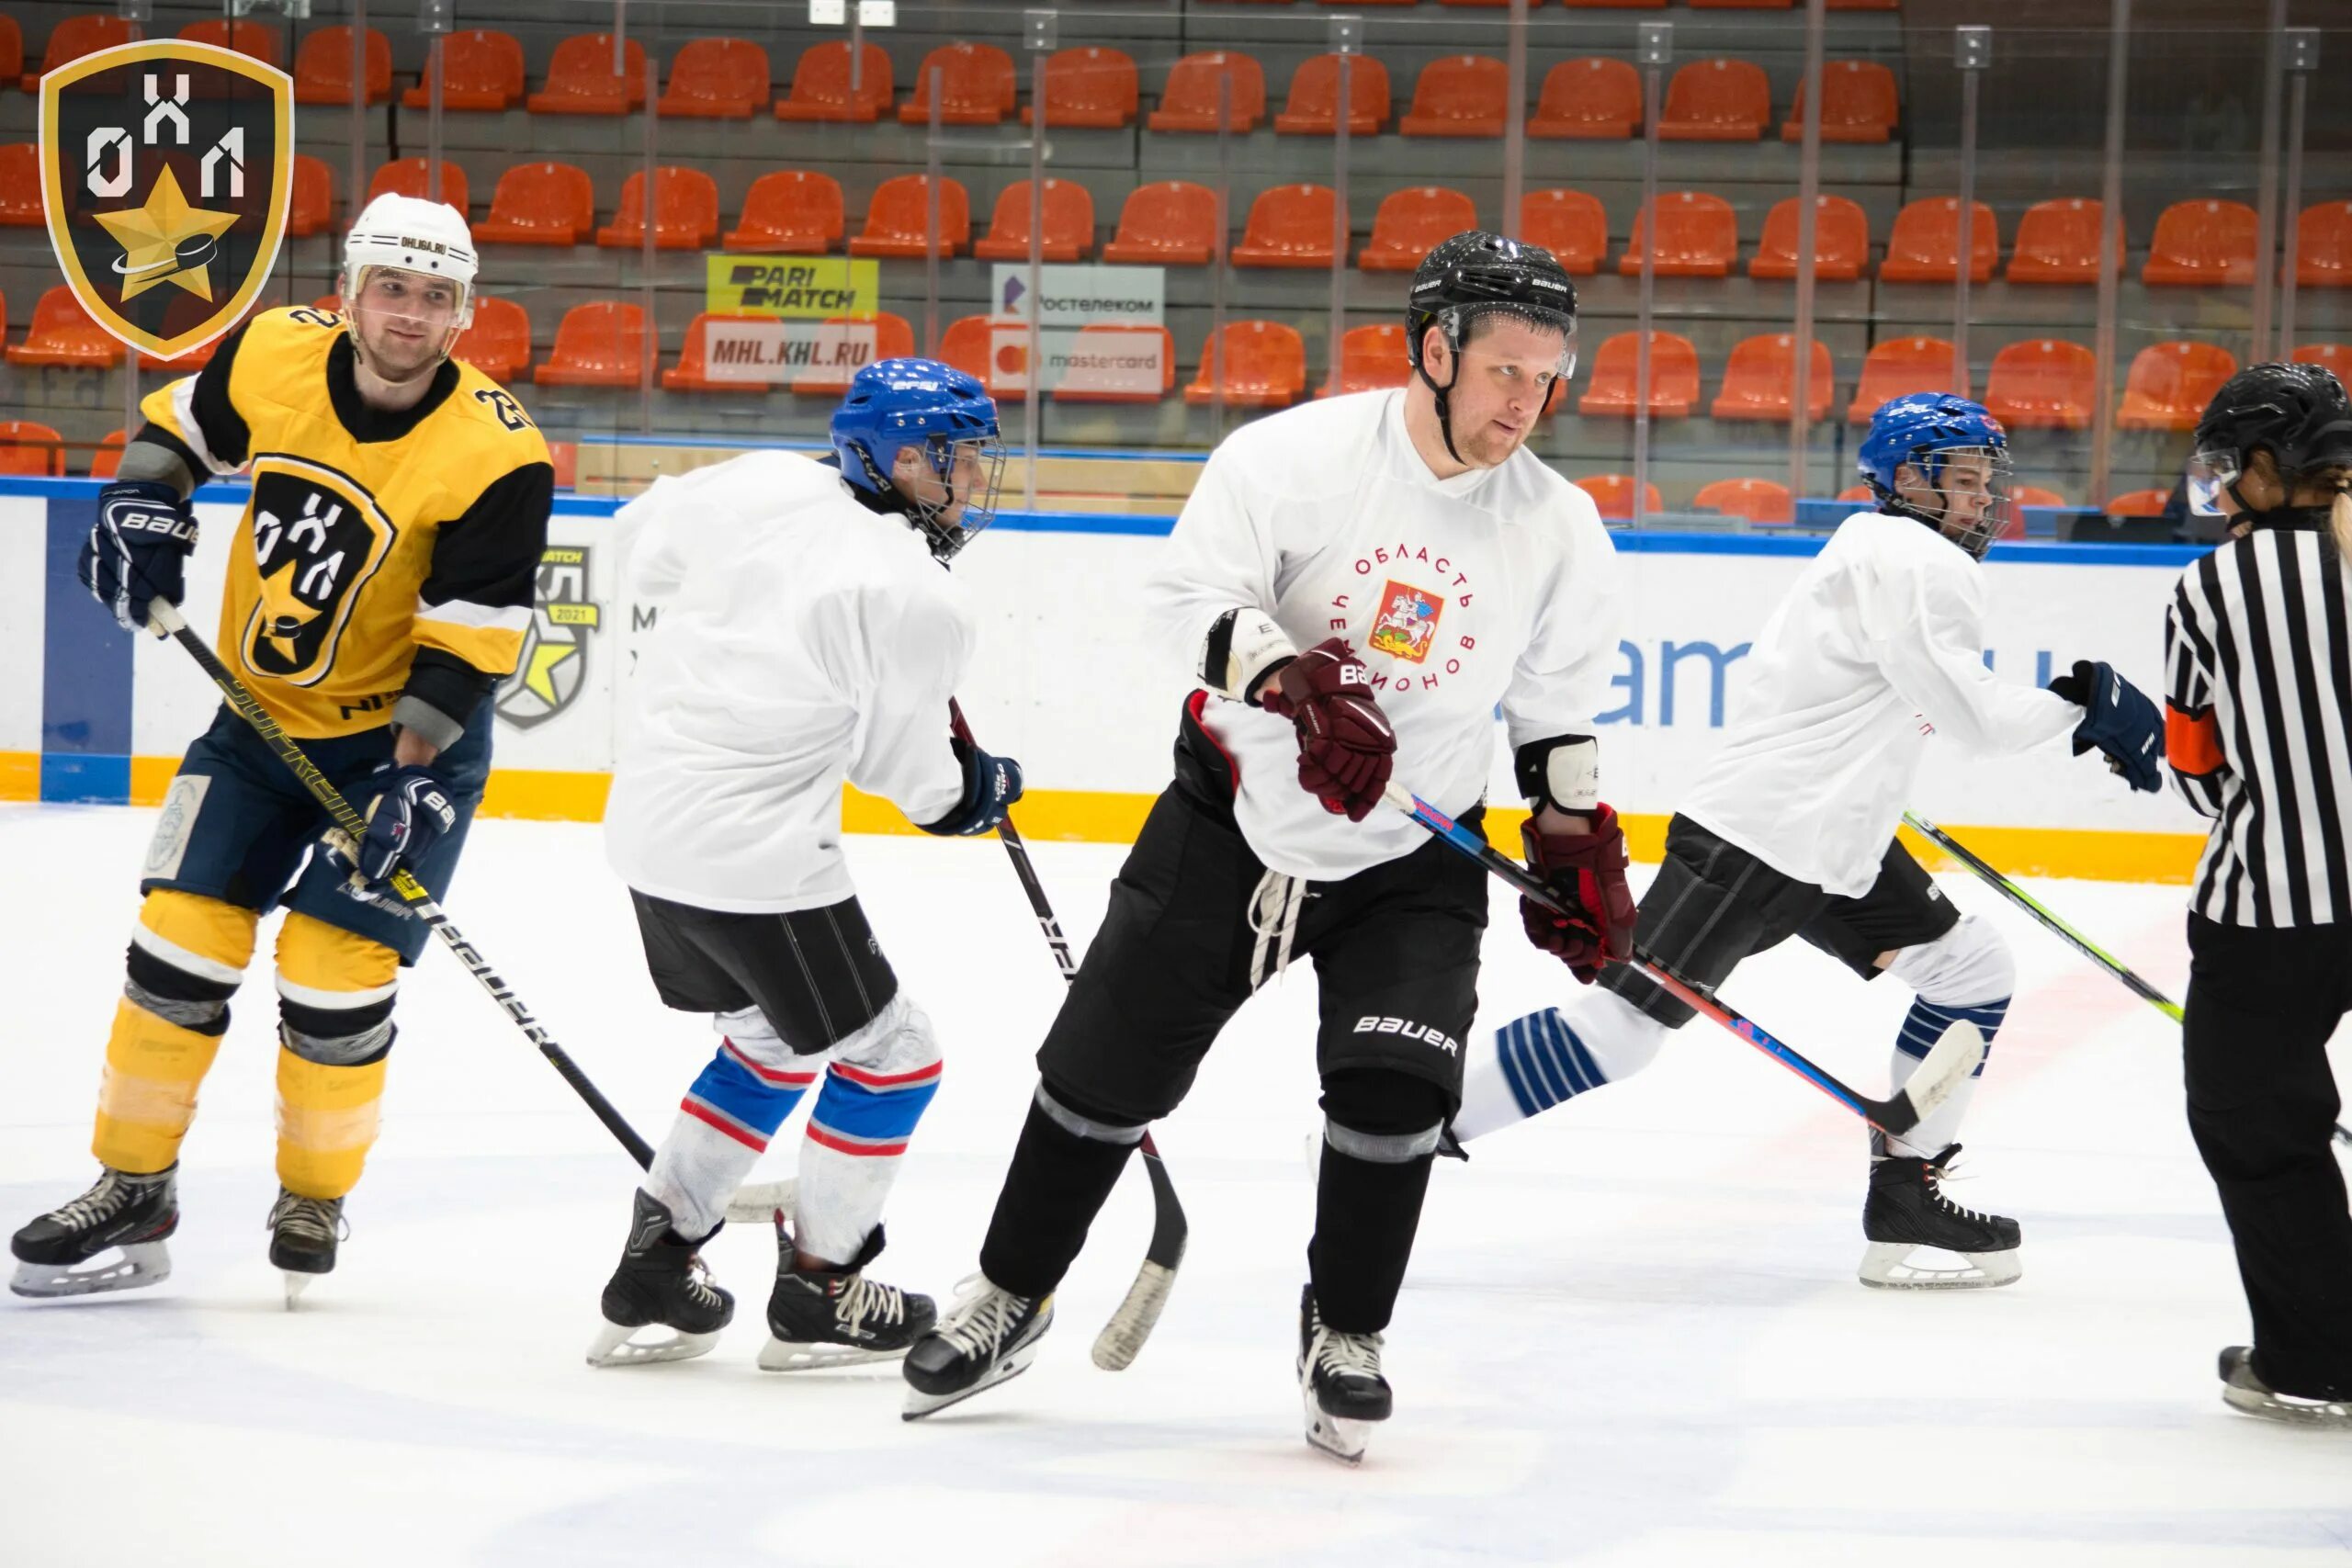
[(166, 170), (554, 665)]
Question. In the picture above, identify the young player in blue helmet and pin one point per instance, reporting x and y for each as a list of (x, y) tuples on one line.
[(804, 637), (1791, 831)]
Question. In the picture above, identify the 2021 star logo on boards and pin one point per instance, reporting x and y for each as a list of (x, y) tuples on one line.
[(166, 170), (554, 665)]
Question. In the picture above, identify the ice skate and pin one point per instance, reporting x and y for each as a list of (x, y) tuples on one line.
[(1906, 1212), (1339, 1383), (988, 1337), (661, 1281), (303, 1232), (2242, 1390), (838, 1317), (124, 1213)]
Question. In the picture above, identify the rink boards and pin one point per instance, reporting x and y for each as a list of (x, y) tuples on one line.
[(1069, 680)]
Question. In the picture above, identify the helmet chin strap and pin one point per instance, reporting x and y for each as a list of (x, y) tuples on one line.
[(1444, 406)]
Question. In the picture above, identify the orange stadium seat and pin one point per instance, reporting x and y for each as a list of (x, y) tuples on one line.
[(1409, 224), (2057, 242), (581, 78), (1588, 100), (2201, 243), (1698, 235), (2170, 383), (1757, 377), (716, 78), (1899, 365), (601, 344), (1717, 100), (685, 211), (1462, 95), (499, 343), (1856, 494), (1313, 105), (312, 206), (540, 204), (1841, 240), (897, 221), (1289, 226), (330, 303), (31, 449), (793, 211), (1568, 224), (106, 461), (11, 49), (322, 67), (821, 90), (407, 176), (2335, 356), (1371, 358), (565, 458), (255, 40), (854, 343), (968, 344), (1189, 102), (1090, 88), (1741, 4), (74, 37), (1924, 245), (2138, 503), (1069, 223), (481, 72), (2323, 245), (2043, 384), (1613, 391), (1086, 383), (1866, 4), (692, 373), (1762, 502), (61, 333), (1171, 223), (976, 86), (20, 200), (1612, 494), (1616, 4), (1265, 368), (1858, 104)]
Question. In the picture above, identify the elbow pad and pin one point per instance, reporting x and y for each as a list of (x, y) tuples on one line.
[(1562, 772), (1242, 648)]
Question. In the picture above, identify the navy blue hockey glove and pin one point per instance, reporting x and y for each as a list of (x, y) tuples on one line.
[(412, 808), (990, 787), (2118, 719), (137, 550)]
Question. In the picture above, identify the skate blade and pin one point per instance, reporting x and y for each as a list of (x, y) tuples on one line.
[(1340, 1437), (1011, 1365), (139, 1264), (2332, 1414), (613, 1346), (1892, 1266), (797, 1356), (296, 1284)]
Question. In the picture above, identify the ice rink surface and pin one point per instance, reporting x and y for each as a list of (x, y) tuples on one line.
[(1632, 1334)]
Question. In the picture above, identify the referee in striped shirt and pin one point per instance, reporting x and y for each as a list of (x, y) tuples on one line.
[(2258, 735)]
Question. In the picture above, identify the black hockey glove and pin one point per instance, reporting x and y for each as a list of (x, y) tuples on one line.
[(2118, 719), (990, 787), (137, 550), (413, 806)]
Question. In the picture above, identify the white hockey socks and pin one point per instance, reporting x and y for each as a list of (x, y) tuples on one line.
[(881, 1081), (726, 1120), (1533, 1063), (1967, 973)]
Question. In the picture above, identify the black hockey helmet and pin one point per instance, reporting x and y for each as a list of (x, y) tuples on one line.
[(2297, 412), (1476, 274)]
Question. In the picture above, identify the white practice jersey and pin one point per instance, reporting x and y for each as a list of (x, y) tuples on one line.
[(801, 639), (1496, 587), (1879, 644)]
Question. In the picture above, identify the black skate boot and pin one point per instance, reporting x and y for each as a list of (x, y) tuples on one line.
[(1340, 1383), (2243, 1388), (1907, 1209), (988, 1336), (838, 1317), (660, 1280), (132, 1212), (303, 1232)]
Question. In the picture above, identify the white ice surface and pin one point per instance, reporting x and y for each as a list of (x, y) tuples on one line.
[(1632, 1334)]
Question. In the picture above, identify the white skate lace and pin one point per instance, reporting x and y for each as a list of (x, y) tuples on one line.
[(315, 1219), (1346, 1355), (102, 1202), (983, 1318), (864, 1298), (697, 1283), (1938, 1173), (1274, 912)]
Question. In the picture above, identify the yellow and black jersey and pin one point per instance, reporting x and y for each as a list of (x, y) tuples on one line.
[(383, 555)]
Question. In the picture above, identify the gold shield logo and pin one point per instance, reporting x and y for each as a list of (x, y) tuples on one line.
[(166, 169)]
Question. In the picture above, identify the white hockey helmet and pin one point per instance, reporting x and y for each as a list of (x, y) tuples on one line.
[(412, 235)]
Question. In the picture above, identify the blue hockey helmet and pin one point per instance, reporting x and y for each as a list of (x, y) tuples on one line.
[(896, 404), (1923, 429)]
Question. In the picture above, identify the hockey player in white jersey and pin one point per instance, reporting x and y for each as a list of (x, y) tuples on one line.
[(1293, 595), (1791, 831), (806, 635)]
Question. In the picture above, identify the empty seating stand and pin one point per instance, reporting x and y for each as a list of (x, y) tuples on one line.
[(1371, 358), (2323, 245), (1898, 367), (1568, 224), (1313, 108), (1717, 100), (2057, 242), (1289, 226), (1757, 380), (1614, 388), (1924, 244), (1068, 228), (823, 89), (716, 78), (1588, 100), (1168, 223), (20, 199), (1409, 224), (605, 343), (1858, 104), (2043, 384), (409, 176), (1191, 100), (540, 204), (1841, 240), (685, 211), (498, 344), (2199, 244), (791, 212), (581, 81), (1697, 236), (481, 72), (1090, 88), (31, 450), (897, 221), (1264, 365), (63, 335), (1762, 502), (1612, 494), (976, 86), (73, 37), (2170, 383), (255, 40), (1462, 95), (322, 67)]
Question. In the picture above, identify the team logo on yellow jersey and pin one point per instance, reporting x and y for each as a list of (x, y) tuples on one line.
[(317, 538), (554, 665), (166, 171)]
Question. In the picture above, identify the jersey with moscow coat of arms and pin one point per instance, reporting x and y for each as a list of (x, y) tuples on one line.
[(381, 554)]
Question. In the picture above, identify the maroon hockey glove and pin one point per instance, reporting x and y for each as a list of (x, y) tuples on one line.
[(1346, 745), (1588, 873)]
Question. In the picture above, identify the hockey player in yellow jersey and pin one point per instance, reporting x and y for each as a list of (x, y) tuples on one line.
[(379, 587)]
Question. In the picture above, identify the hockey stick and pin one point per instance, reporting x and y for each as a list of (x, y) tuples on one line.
[(1955, 1056), (2049, 922), (164, 617), (1123, 1338)]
